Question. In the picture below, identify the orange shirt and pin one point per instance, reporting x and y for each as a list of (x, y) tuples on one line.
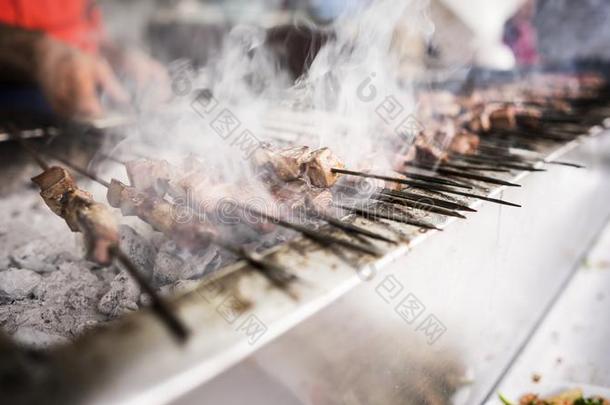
[(77, 22)]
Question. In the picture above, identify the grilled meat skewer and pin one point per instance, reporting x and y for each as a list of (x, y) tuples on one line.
[(299, 162), (167, 218), (97, 224), (82, 214)]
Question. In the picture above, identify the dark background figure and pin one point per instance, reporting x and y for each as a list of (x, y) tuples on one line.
[(520, 35), (54, 54)]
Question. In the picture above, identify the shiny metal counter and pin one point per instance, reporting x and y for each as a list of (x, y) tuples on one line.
[(460, 302)]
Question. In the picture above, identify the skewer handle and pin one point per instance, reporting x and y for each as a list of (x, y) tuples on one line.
[(159, 306)]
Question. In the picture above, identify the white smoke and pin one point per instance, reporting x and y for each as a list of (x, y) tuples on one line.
[(338, 103)]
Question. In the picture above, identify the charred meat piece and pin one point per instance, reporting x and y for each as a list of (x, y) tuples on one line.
[(176, 222), (80, 211), (220, 202), (429, 154), (318, 167), (503, 116), (421, 151), (150, 176), (296, 195), (191, 190), (283, 164), (464, 143)]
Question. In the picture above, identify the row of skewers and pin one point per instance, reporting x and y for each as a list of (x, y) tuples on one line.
[(452, 156)]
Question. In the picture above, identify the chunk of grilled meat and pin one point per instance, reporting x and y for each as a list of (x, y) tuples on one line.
[(283, 164), (179, 223), (193, 190), (299, 162), (149, 175), (502, 116), (318, 167), (80, 211), (296, 195), (419, 152), (465, 143)]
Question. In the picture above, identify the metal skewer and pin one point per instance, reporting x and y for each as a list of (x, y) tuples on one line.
[(425, 186), (336, 222), (427, 207), (346, 226), (519, 158), (276, 274), (466, 166), (435, 179), (159, 306), (486, 160), (425, 202), (373, 213), (434, 200), (312, 234), (473, 176), (563, 163)]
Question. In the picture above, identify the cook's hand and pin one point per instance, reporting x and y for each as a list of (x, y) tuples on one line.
[(71, 79)]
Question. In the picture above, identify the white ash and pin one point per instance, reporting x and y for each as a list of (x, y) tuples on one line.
[(17, 283), (32, 256), (121, 298), (31, 336), (172, 264), (63, 303), (49, 294), (139, 249)]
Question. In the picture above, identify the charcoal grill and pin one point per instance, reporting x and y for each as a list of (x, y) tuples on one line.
[(484, 283)]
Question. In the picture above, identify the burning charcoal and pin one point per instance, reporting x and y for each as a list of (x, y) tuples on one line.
[(168, 266), (318, 165), (17, 284), (157, 240), (139, 249), (69, 280), (121, 298), (66, 257), (204, 262)]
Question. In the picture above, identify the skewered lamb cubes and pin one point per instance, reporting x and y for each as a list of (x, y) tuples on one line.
[(160, 214), (299, 162), (80, 211)]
